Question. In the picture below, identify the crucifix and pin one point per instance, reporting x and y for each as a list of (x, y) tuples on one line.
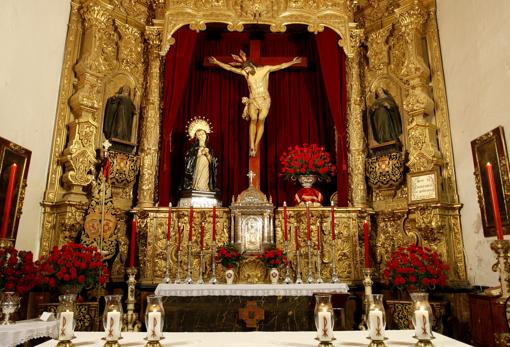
[(256, 70)]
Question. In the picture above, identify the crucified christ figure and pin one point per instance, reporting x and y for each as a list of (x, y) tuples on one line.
[(257, 104)]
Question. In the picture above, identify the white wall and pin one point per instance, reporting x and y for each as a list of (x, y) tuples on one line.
[(32, 38), (476, 56)]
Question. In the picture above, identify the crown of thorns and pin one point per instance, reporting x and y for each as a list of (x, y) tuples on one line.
[(241, 60)]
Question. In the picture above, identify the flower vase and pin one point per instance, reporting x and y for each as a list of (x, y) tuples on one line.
[(229, 276), (273, 275), (308, 193), (422, 316), (9, 302)]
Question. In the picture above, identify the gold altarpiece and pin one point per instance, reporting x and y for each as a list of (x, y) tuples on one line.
[(389, 43)]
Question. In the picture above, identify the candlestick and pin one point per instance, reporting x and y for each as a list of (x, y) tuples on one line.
[(285, 232), (334, 276), (130, 318), (333, 235), (202, 234), (201, 270), (298, 267), (367, 283), (168, 236), (495, 201), (287, 274), (213, 279), (167, 279), (296, 235), (214, 223), (367, 252), (318, 237), (502, 250), (178, 273), (309, 248), (180, 230), (189, 279), (308, 235), (319, 260), (190, 235), (132, 243), (8, 200)]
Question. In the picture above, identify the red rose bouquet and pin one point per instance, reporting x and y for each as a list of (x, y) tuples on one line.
[(229, 256), (306, 160), (415, 268), (18, 272), (74, 265), (273, 257)]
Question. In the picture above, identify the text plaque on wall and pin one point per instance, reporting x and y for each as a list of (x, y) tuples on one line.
[(423, 187)]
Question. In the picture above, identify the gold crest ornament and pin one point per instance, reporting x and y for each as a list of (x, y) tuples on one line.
[(198, 123)]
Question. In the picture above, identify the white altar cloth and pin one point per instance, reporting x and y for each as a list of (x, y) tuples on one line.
[(249, 289), (396, 338), (25, 330)]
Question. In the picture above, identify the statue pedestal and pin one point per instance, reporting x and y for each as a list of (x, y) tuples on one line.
[(199, 199)]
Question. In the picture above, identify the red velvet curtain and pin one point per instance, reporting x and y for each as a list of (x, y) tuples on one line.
[(300, 110)]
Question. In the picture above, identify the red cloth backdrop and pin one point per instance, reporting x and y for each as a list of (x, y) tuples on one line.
[(307, 104)]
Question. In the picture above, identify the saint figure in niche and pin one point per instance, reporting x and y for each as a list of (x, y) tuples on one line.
[(119, 114), (385, 117)]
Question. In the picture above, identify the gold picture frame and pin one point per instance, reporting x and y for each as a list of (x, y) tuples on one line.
[(12, 153), (491, 147), (423, 186)]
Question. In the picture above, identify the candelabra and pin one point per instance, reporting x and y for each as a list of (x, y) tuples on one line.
[(310, 276), (287, 275), (200, 276), (130, 318), (189, 280), (178, 272), (367, 282), (213, 279), (167, 272), (334, 277), (319, 278), (502, 250), (298, 267)]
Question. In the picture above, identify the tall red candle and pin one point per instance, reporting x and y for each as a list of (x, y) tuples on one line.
[(190, 235), (333, 235), (214, 223), (318, 236), (367, 253), (132, 243), (168, 236), (202, 234), (296, 234), (8, 200), (495, 202), (308, 221), (285, 232)]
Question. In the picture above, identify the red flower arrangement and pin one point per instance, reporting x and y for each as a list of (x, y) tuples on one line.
[(229, 256), (74, 265), (415, 268), (273, 257), (306, 160), (18, 271)]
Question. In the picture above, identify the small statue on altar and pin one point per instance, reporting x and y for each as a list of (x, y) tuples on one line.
[(385, 117), (258, 103), (200, 164)]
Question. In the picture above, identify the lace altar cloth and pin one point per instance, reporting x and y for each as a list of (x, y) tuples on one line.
[(249, 289), (22, 331)]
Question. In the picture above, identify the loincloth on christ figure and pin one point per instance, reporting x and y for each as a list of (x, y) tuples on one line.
[(261, 102)]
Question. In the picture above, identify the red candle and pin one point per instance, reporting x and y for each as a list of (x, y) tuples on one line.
[(8, 200), (214, 223), (296, 232), (132, 243), (106, 170), (495, 202), (285, 232), (367, 256), (190, 235), (202, 232), (333, 235), (307, 221), (318, 236), (169, 221)]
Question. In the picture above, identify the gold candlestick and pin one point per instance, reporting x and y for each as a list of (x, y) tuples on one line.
[(367, 282), (502, 250), (130, 318)]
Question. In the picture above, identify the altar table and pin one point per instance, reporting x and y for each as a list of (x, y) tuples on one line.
[(245, 307), (25, 330), (396, 338)]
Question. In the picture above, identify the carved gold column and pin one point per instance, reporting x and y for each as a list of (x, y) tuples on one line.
[(150, 124), (356, 137), (422, 137)]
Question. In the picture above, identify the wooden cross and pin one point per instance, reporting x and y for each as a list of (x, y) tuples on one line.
[(251, 313), (257, 59)]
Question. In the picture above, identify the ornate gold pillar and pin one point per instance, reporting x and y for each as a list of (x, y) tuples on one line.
[(422, 134), (149, 147), (355, 134)]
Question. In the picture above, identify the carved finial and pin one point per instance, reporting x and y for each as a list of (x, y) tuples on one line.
[(106, 145), (251, 175)]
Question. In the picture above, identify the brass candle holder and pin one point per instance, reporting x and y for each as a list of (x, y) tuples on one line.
[(367, 283), (502, 250), (130, 318)]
